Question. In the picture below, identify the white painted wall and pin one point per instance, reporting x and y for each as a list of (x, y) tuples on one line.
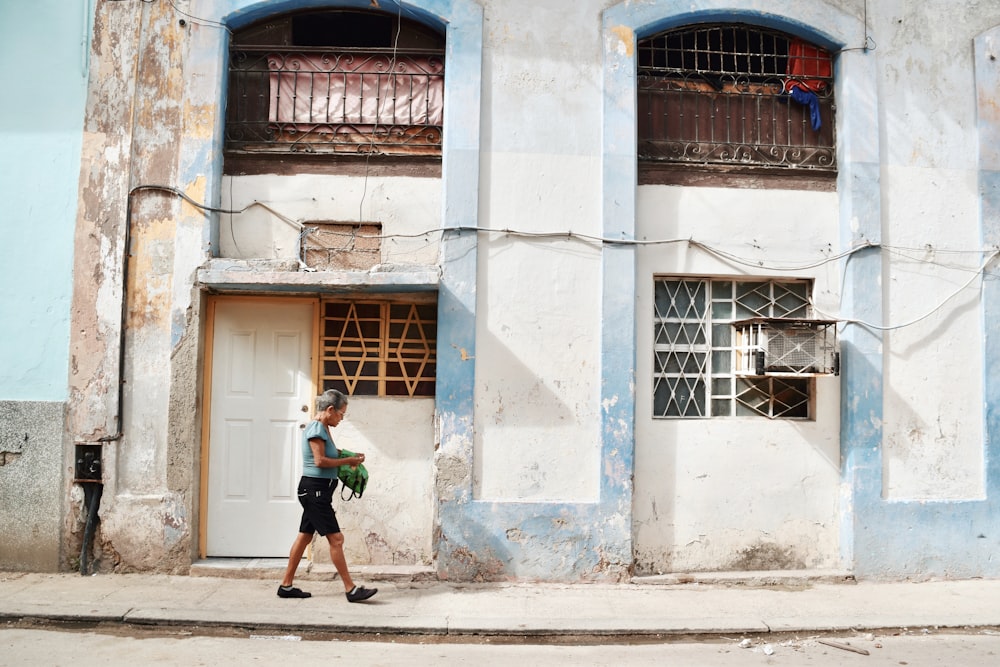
[(409, 210), (537, 367), (933, 444), (392, 523), (710, 491), (706, 491), (537, 433)]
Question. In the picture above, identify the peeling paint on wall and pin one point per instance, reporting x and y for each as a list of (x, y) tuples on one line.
[(153, 117), (465, 565), (625, 45)]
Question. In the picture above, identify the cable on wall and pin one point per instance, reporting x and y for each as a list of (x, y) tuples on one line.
[(868, 325), (869, 43), (126, 255), (594, 240)]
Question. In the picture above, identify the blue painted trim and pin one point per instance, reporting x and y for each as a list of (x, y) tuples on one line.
[(240, 14), (858, 189), (987, 55), (859, 194), (487, 540), (763, 19), (938, 538), (825, 26)]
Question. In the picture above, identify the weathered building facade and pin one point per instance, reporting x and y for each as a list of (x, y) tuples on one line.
[(616, 288)]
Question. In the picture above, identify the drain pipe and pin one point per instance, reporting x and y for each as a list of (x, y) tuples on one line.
[(92, 492), (88, 455), (88, 475)]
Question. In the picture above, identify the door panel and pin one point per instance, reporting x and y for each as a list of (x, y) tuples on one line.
[(261, 380)]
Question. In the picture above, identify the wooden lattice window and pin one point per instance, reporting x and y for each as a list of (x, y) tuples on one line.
[(379, 348)]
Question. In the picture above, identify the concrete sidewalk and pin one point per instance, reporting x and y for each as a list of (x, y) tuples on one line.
[(435, 608)]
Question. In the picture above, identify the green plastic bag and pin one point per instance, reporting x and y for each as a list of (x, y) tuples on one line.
[(353, 478)]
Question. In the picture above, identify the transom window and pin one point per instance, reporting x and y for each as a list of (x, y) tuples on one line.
[(379, 348), (336, 82), (694, 362), (735, 95)]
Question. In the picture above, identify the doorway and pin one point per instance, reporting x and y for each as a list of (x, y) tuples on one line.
[(260, 392), (266, 360)]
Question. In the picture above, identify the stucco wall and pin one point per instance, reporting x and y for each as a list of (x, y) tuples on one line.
[(933, 434), (393, 523), (407, 208), (543, 339), (538, 352), (31, 486), (135, 328), (739, 492), (39, 168)]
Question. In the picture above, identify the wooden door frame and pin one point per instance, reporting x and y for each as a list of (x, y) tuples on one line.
[(206, 400)]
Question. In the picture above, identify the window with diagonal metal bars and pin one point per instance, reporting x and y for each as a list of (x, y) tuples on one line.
[(735, 95), (693, 349), (378, 348)]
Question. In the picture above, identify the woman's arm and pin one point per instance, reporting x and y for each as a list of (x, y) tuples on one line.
[(318, 447)]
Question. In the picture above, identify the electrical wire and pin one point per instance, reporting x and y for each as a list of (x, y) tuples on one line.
[(869, 43), (304, 230), (197, 19), (773, 267), (182, 195), (868, 325)]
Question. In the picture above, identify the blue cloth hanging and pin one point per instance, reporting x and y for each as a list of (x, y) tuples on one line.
[(807, 98)]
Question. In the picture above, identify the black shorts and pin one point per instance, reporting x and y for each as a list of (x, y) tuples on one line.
[(316, 498)]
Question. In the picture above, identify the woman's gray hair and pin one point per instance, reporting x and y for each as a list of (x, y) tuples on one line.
[(330, 397)]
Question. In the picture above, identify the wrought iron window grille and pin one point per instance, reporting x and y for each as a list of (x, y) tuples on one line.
[(735, 95), (696, 371), (320, 100)]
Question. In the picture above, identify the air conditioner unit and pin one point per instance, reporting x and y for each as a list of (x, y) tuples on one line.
[(796, 347)]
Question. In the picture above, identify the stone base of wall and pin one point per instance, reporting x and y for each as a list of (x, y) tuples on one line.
[(32, 489)]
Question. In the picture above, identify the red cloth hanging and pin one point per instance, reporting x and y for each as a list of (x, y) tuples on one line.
[(806, 61)]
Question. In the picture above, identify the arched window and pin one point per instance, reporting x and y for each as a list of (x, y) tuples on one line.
[(735, 95), (336, 82)]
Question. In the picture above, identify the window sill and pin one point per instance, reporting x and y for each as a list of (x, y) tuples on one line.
[(221, 276), (718, 176), (291, 164)]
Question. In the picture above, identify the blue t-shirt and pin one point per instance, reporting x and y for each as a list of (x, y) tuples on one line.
[(316, 429)]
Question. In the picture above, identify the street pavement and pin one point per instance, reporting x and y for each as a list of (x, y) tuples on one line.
[(409, 603)]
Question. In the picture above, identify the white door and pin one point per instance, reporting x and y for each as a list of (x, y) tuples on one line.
[(261, 393)]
